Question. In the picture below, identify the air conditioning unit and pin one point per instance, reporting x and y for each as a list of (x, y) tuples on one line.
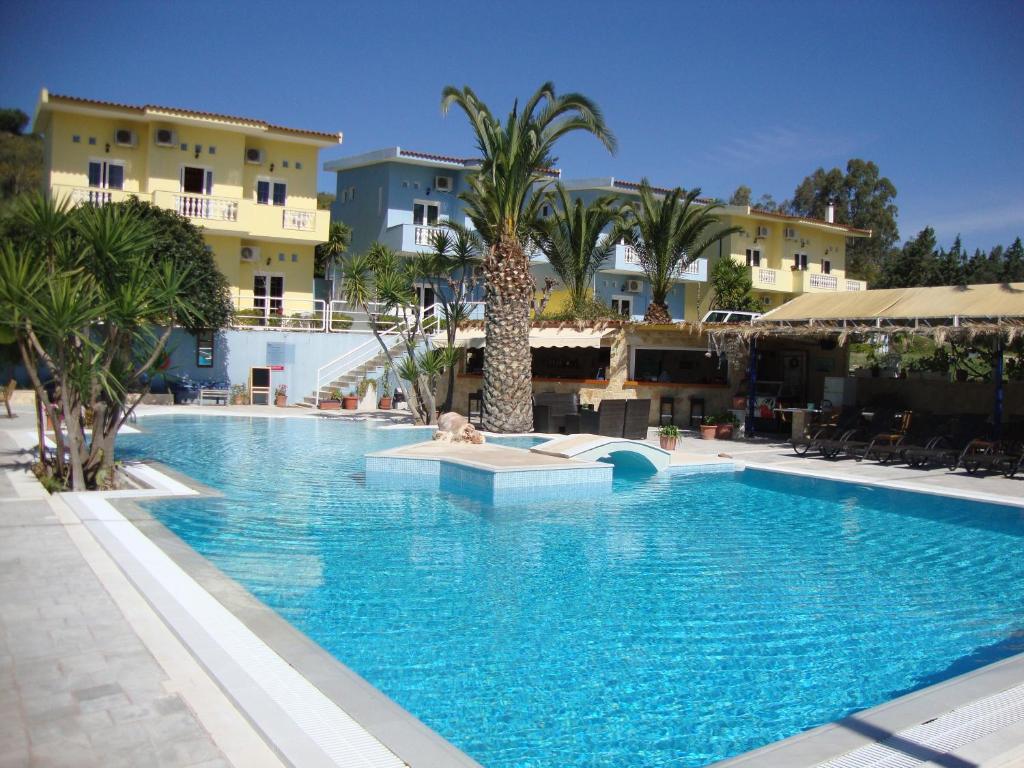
[(250, 252), (633, 286), (443, 183), (766, 300), (165, 137), (125, 137), (254, 156), (789, 233), (762, 231)]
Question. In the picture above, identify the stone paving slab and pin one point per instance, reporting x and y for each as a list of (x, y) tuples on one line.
[(78, 685)]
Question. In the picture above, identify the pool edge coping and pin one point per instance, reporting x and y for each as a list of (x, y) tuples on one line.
[(414, 743)]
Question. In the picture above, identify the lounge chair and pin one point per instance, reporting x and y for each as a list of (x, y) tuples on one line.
[(835, 425), (885, 446), (638, 415), (1004, 455), (6, 393), (886, 428), (607, 420), (944, 448), (858, 436)]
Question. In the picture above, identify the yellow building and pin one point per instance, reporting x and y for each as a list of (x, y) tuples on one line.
[(789, 255), (249, 185)]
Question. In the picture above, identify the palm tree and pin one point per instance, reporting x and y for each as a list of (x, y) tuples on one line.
[(339, 237), (573, 242), (668, 234), (504, 195)]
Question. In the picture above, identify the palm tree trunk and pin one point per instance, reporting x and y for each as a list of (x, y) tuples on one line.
[(508, 386), (657, 312)]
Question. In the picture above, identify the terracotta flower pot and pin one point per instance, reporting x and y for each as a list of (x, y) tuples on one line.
[(385, 403), (668, 443), (707, 431), (329, 405), (238, 400), (281, 400), (350, 402), (723, 431)]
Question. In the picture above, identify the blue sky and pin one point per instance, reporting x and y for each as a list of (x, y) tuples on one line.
[(699, 94)]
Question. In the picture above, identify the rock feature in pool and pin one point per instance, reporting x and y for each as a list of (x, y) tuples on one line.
[(498, 474), (455, 428)]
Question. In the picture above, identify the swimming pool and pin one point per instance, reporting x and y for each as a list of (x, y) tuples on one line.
[(678, 621)]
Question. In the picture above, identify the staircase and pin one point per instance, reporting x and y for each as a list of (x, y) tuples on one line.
[(348, 381)]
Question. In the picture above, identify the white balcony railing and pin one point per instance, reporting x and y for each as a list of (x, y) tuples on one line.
[(424, 235), (205, 207), (766, 276), (269, 313), (854, 285), (96, 197), (629, 255), (304, 221), (823, 282)]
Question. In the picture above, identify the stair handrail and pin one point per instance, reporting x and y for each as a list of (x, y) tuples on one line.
[(392, 336)]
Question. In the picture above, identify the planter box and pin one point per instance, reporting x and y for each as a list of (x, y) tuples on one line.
[(716, 431), (329, 405)]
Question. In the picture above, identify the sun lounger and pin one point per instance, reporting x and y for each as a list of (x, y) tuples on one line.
[(1004, 455), (607, 420), (6, 393), (638, 414), (944, 449), (840, 422), (884, 446)]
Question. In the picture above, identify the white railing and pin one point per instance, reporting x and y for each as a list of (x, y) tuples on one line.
[(854, 285), (354, 318), (205, 207), (424, 235), (95, 197), (766, 276), (339, 366), (629, 255), (279, 314), (823, 282), (474, 310), (693, 268), (304, 221)]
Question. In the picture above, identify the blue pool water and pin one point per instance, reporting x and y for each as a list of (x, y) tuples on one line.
[(678, 621)]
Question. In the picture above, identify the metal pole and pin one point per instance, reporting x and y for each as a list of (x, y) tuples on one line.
[(748, 428), (997, 411)]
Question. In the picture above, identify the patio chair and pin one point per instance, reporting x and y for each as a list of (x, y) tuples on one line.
[(945, 447), (1003, 455), (835, 425), (886, 446), (638, 414), (856, 436), (607, 420), (6, 394)]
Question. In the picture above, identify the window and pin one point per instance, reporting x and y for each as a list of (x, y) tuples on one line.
[(425, 213), (623, 305), (753, 257), (204, 349), (268, 294), (826, 267), (196, 181), (800, 261), (106, 174), (271, 192), (679, 365)]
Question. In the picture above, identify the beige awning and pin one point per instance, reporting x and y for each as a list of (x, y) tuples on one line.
[(540, 337), (990, 301)]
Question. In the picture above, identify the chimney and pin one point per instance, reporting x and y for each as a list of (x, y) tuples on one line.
[(830, 212)]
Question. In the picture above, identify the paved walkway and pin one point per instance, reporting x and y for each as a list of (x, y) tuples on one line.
[(89, 676)]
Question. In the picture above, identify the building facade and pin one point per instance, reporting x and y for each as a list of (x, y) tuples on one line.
[(399, 197), (249, 185)]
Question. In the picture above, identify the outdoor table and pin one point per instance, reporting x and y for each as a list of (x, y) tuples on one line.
[(801, 418)]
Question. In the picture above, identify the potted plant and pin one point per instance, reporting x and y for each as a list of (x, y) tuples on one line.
[(239, 394), (332, 403), (281, 395), (350, 401), (668, 436), (387, 388), (719, 426)]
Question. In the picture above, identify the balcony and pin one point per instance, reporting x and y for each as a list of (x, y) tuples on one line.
[(93, 195), (816, 282), (625, 259), (764, 279), (411, 238)]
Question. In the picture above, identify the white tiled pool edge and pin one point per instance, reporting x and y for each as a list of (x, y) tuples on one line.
[(295, 717)]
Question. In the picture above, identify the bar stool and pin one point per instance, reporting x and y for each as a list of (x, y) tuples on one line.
[(696, 410), (666, 410), (475, 408)]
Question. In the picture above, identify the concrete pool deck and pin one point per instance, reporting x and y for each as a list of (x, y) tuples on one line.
[(66, 733)]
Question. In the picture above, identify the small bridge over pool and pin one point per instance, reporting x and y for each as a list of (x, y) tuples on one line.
[(616, 450)]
